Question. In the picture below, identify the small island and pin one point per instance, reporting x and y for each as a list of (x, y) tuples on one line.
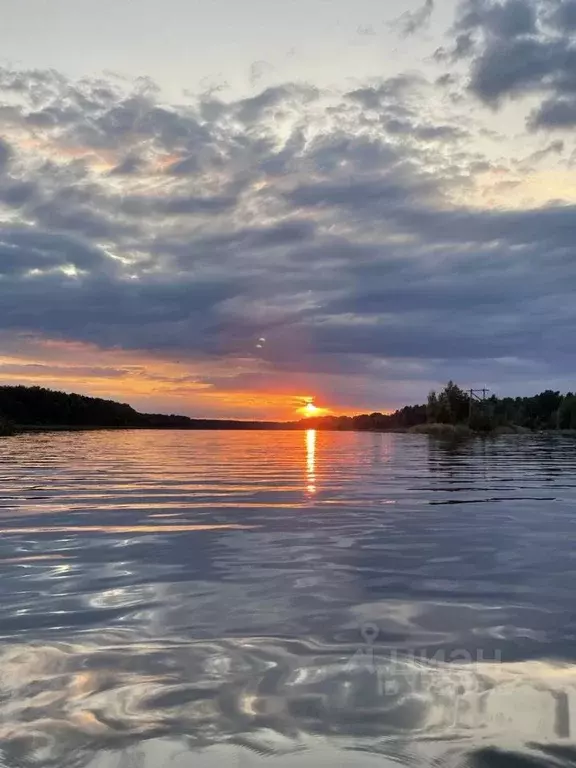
[(450, 411)]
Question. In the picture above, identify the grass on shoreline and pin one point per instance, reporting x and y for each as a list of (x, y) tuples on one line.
[(463, 430)]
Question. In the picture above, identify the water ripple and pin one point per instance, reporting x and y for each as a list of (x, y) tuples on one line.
[(172, 598)]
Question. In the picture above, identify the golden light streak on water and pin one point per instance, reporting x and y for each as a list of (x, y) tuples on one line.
[(124, 529), (311, 459)]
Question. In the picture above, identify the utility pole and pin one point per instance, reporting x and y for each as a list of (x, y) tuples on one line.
[(475, 395)]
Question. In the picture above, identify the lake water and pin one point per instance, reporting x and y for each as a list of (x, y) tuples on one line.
[(287, 599)]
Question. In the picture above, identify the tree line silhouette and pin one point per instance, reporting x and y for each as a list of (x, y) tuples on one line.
[(453, 406), (30, 407), (45, 408)]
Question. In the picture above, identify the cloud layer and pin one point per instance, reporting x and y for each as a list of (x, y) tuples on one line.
[(376, 238)]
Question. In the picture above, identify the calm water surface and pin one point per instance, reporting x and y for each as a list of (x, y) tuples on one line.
[(290, 599)]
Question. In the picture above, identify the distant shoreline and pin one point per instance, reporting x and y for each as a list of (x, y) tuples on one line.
[(451, 413), (432, 430), (237, 427)]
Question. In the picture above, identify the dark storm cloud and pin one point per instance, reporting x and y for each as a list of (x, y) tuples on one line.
[(553, 226), (519, 47), (326, 228), (111, 312), (26, 248)]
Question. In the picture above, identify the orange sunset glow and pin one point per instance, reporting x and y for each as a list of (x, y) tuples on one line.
[(237, 387), (309, 410)]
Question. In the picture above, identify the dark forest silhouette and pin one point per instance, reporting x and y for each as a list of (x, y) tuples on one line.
[(454, 407), (36, 407)]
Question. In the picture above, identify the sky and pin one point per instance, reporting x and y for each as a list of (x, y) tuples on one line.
[(220, 209)]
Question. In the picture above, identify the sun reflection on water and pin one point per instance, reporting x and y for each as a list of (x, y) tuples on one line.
[(311, 460)]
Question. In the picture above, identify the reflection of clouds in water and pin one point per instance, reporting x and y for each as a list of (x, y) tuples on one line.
[(63, 703), (389, 538)]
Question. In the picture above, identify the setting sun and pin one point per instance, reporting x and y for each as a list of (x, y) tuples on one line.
[(308, 410)]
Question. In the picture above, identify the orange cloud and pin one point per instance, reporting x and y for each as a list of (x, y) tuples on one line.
[(201, 387)]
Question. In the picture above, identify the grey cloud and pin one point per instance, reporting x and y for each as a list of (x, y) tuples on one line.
[(381, 192), (5, 154), (39, 85), (33, 370), (425, 132), (366, 30), (52, 116), (508, 19), (520, 47), (240, 251), (26, 248), (551, 226), (177, 205), (518, 66), (252, 109), (135, 118), (411, 22), (446, 80), (386, 92), (16, 194), (136, 115), (554, 148), (439, 132), (329, 154), (131, 165), (90, 223), (66, 208), (258, 70), (463, 46), (284, 233), (554, 113), (117, 313), (562, 15), (279, 163), (190, 204), (184, 167)]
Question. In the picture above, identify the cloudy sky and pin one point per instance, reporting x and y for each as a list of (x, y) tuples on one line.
[(216, 208)]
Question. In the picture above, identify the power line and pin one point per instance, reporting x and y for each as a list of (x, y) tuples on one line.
[(478, 396)]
